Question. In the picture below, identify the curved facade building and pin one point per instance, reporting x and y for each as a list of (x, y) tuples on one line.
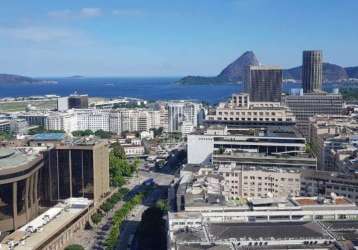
[(19, 178)]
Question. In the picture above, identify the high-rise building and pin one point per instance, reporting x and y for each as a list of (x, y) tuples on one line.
[(76, 101), (62, 103), (264, 83), (178, 112), (76, 169), (311, 70)]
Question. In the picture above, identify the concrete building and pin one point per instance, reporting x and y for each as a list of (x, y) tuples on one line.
[(333, 139), (265, 223), (312, 72), (240, 110), (53, 229), (269, 141), (5, 126), (181, 111), (187, 127), (116, 121), (34, 118), (324, 183), (164, 118), (76, 101), (79, 168), (19, 178), (235, 183), (62, 104), (311, 104), (264, 83)]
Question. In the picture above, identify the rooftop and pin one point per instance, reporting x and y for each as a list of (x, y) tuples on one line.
[(254, 131), (16, 157), (48, 137), (35, 234), (257, 231)]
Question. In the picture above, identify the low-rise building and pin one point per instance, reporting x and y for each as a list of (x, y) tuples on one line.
[(52, 229), (324, 183), (210, 145), (310, 104), (239, 110), (333, 139), (19, 194), (5, 126), (265, 223)]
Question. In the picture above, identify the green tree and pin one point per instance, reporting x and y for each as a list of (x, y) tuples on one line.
[(118, 150), (103, 134), (74, 247), (162, 205), (4, 136), (135, 166), (80, 133)]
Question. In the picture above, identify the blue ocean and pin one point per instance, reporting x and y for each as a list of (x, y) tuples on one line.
[(150, 88)]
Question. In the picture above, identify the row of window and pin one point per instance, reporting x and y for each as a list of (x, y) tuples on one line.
[(250, 113), (250, 119)]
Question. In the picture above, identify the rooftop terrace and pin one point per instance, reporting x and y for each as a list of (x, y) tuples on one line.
[(16, 157)]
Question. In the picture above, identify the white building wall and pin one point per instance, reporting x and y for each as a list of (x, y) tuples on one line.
[(200, 149)]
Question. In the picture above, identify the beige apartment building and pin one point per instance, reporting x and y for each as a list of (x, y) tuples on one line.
[(240, 108), (256, 182)]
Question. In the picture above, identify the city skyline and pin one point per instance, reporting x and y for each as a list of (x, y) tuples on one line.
[(134, 38)]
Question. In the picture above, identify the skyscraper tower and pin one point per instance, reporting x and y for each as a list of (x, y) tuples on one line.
[(311, 70), (264, 83)]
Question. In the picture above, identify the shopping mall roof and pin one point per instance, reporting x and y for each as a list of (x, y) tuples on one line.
[(48, 137)]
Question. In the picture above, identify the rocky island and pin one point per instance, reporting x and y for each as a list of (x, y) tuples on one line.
[(7, 79), (234, 73)]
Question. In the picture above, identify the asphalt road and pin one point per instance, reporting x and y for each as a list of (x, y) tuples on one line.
[(162, 177)]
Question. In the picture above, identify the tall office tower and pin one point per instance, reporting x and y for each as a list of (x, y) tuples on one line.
[(264, 83), (311, 70), (79, 168), (76, 101)]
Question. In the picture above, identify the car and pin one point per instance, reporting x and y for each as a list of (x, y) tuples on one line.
[(148, 182), (105, 227)]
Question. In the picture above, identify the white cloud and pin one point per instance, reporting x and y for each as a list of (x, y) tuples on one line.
[(60, 14), (127, 12), (90, 12), (71, 14), (35, 33)]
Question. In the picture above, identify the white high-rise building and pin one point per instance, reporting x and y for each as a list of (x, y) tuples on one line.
[(62, 104), (178, 112), (116, 121)]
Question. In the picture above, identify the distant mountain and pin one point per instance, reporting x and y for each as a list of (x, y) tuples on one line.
[(233, 73), (331, 73), (7, 79), (76, 77), (352, 72)]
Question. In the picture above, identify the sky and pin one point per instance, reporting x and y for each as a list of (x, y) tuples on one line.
[(170, 37)]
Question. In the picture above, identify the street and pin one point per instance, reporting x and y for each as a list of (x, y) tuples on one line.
[(95, 238)]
